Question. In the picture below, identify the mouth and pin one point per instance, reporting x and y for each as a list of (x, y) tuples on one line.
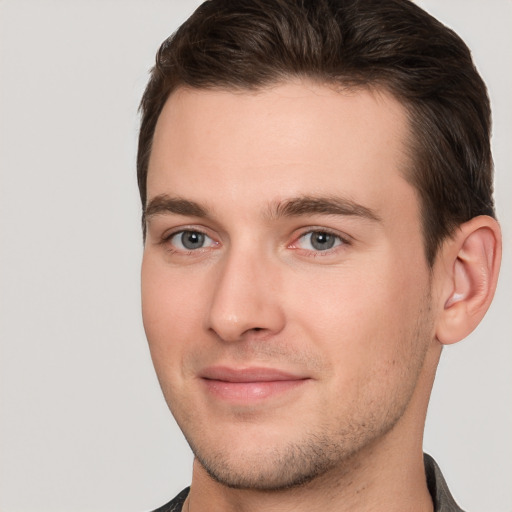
[(249, 384)]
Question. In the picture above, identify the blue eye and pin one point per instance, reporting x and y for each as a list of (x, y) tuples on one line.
[(190, 240), (319, 241)]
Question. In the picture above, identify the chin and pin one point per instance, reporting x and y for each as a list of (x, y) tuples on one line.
[(272, 468), (263, 474)]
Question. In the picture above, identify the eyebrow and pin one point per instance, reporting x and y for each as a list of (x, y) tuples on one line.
[(332, 205), (166, 204), (293, 207)]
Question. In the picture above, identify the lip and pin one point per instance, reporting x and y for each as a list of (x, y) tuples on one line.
[(249, 384)]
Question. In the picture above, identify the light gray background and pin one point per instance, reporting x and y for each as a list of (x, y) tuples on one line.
[(83, 426)]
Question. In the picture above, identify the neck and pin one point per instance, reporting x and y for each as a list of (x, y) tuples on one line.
[(380, 479)]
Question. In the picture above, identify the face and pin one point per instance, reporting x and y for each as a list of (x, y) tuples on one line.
[(284, 285)]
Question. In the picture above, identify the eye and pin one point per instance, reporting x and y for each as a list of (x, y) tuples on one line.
[(189, 240), (318, 241)]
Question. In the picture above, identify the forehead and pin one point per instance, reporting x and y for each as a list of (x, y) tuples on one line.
[(289, 139)]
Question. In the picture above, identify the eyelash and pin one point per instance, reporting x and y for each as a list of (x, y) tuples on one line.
[(343, 241), (166, 241)]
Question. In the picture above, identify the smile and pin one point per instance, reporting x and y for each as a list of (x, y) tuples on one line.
[(249, 384)]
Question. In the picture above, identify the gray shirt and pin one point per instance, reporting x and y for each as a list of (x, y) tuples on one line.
[(438, 488)]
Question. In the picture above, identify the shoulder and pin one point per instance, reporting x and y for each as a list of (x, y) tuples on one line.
[(438, 488), (176, 504)]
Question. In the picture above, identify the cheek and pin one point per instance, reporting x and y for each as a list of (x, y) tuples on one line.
[(361, 317), (172, 312), (366, 331)]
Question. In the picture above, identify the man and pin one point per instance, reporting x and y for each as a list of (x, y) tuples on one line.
[(316, 181)]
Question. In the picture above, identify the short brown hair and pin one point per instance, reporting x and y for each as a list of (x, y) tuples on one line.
[(392, 44)]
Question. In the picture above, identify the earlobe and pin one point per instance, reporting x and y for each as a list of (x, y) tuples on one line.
[(473, 259)]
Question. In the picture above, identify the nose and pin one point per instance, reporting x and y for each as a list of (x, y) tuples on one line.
[(246, 298)]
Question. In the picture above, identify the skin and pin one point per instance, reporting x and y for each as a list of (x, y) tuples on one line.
[(337, 347)]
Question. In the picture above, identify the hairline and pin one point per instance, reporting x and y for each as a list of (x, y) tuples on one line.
[(411, 147)]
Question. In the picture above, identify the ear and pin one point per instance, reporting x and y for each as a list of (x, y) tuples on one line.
[(470, 262)]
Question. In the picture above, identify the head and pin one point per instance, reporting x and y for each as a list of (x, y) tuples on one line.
[(399, 48), (316, 182)]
